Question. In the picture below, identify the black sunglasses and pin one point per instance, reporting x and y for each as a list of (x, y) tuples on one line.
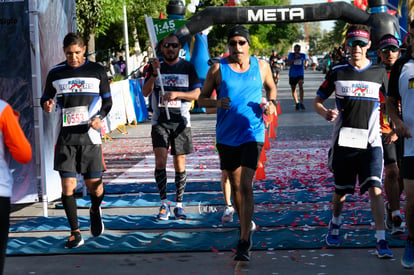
[(173, 45), (234, 42), (357, 43), (392, 49)]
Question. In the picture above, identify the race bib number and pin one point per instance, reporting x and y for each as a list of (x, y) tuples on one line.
[(353, 137), (176, 103), (75, 116), (297, 62)]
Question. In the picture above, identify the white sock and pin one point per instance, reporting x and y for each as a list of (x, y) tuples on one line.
[(380, 235), (179, 204), (337, 220)]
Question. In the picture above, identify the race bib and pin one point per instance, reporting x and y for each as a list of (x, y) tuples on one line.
[(297, 62), (353, 137), (75, 116), (176, 103)]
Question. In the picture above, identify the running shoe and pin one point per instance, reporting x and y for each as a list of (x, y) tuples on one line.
[(179, 213), (407, 261), (242, 252), (383, 251), (164, 212), (297, 106), (228, 214), (75, 240), (302, 107), (97, 225), (332, 238)]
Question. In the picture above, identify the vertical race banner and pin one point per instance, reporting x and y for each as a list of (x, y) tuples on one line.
[(16, 89)]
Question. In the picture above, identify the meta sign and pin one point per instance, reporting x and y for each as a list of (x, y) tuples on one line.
[(275, 14)]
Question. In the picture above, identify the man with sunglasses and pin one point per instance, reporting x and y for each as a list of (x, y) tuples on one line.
[(238, 80), (356, 150), (171, 126), (400, 106), (388, 52)]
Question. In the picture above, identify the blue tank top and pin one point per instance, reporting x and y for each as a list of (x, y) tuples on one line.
[(243, 121)]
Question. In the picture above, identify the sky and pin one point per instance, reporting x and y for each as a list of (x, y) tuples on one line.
[(326, 25)]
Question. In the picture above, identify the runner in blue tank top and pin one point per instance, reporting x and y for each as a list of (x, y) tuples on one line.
[(238, 80)]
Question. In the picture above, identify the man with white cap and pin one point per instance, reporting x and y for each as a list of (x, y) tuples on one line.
[(356, 150), (388, 52)]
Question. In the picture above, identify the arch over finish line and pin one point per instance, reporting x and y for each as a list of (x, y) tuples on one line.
[(380, 21)]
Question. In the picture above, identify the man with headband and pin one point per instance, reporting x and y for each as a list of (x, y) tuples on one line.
[(356, 149), (238, 80)]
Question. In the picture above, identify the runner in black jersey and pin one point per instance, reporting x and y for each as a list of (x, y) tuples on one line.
[(83, 99), (181, 85), (356, 150), (389, 52), (401, 93)]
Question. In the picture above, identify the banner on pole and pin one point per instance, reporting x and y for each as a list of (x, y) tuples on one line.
[(163, 27)]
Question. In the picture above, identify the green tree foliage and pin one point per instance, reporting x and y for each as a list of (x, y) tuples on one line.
[(104, 20)]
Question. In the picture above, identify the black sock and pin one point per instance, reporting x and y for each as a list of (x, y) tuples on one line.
[(69, 204), (180, 183), (161, 179)]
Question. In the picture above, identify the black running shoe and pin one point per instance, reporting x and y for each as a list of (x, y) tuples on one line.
[(302, 107), (75, 240), (297, 106), (242, 253), (97, 226)]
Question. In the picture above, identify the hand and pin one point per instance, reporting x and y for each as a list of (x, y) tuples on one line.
[(48, 105), (95, 123), (402, 130), (155, 64), (390, 138), (331, 114), (223, 103), (168, 96), (270, 109)]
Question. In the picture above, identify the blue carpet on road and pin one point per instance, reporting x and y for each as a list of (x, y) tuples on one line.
[(205, 220), (215, 198), (283, 238), (211, 186)]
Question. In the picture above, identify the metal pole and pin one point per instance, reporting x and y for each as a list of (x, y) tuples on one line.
[(127, 59), (37, 93)]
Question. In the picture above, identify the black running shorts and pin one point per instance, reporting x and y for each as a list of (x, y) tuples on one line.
[(246, 155), (179, 139), (80, 159)]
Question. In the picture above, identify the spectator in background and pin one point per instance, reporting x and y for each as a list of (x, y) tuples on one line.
[(122, 65)]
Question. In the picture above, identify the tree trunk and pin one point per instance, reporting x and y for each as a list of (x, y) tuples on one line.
[(91, 48)]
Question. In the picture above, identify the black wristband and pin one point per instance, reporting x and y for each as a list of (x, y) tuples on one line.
[(154, 75), (273, 101)]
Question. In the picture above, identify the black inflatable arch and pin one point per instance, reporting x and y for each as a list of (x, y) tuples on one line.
[(380, 21)]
